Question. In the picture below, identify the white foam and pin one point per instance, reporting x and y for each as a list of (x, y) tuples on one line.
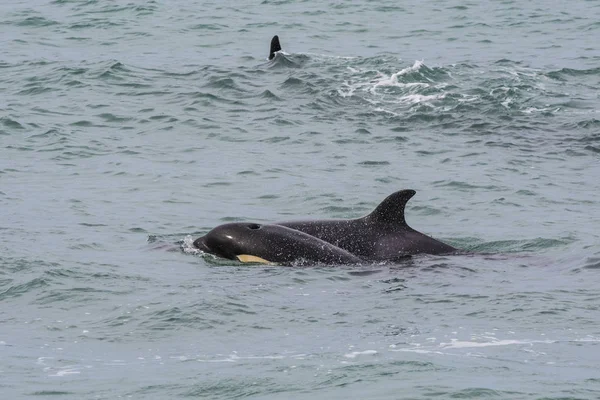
[(42, 360), (382, 80), (188, 246), (387, 92), (419, 98), (355, 354), (466, 98), (415, 67), (458, 344), (392, 80), (379, 109), (588, 339), (419, 351), (66, 372), (532, 110), (464, 344), (235, 358)]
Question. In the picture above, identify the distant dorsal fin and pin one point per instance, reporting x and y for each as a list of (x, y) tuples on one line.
[(275, 47), (391, 210)]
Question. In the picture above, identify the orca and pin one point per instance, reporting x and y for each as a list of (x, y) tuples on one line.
[(381, 236), (275, 47), (264, 243)]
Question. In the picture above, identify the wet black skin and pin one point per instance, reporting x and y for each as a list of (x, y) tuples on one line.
[(273, 243), (383, 235), (275, 47)]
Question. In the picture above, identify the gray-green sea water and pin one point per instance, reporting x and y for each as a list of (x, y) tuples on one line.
[(127, 129)]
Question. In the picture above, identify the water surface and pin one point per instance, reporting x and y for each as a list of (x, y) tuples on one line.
[(129, 129)]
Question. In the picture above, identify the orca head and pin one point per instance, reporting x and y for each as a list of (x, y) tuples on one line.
[(201, 245), (228, 240)]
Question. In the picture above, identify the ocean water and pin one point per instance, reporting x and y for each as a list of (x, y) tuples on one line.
[(128, 129)]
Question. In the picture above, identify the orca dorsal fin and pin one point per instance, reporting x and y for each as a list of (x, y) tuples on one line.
[(391, 210), (275, 47)]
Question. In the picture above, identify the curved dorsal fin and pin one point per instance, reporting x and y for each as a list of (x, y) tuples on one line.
[(275, 47), (391, 210)]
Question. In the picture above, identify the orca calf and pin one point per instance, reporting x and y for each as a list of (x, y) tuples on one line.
[(275, 47), (263, 243), (383, 235)]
